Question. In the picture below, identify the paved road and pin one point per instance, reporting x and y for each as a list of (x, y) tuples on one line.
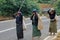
[(8, 31)]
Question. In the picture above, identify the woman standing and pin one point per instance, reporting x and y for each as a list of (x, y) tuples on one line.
[(52, 15), (19, 25), (34, 18)]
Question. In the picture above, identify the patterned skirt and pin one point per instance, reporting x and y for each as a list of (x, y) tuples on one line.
[(35, 31)]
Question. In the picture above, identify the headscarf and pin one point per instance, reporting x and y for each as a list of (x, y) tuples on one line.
[(52, 9)]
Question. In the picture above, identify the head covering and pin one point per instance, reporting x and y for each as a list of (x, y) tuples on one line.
[(34, 10), (52, 9), (19, 12)]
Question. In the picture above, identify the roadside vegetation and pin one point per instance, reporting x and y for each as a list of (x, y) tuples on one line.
[(10, 7)]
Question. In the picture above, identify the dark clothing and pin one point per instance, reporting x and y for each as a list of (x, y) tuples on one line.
[(35, 21), (35, 31), (19, 29), (19, 26), (13, 16), (52, 16), (19, 19)]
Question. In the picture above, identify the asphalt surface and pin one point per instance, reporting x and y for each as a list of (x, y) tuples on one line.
[(8, 31)]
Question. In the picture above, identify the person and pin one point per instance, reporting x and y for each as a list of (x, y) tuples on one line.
[(52, 16), (34, 18), (19, 25)]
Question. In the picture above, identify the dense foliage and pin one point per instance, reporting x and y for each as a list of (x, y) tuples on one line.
[(58, 7), (54, 3), (43, 1), (9, 7), (29, 6)]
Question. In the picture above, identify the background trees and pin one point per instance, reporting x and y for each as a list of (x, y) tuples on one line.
[(43, 1), (28, 6), (9, 7), (58, 7)]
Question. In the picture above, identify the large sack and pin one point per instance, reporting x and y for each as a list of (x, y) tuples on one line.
[(40, 24), (24, 25)]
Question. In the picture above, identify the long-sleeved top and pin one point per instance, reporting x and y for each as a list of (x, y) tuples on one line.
[(19, 19), (34, 20), (52, 16)]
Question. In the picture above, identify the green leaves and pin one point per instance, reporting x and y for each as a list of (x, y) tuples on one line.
[(43, 1), (28, 6), (58, 8), (9, 7)]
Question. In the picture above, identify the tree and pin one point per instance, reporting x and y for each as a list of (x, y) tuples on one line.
[(43, 1), (28, 6), (9, 7), (58, 8)]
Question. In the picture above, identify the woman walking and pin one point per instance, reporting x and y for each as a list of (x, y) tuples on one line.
[(34, 18), (53, 26), (19, 25)]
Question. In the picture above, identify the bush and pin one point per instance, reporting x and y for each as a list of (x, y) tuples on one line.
[(58, 7), (29, 6), (43, 1), (9, 7)]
